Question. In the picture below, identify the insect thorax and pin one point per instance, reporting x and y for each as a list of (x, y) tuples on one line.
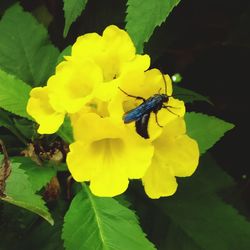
[(160, 98), (165, 98)]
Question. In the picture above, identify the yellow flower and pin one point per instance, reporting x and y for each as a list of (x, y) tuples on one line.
[(175, 154), (114, 52), (111, 51), (107, 154), (145, 85), (40, 109), (73, 84), (97, 85)]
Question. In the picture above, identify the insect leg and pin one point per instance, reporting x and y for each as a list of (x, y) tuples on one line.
[(167, 107), (136, 97), (156, 119)]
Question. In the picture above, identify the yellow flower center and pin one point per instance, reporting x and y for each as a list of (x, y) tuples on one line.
[(76, 90), (98, 107), (109, 148)]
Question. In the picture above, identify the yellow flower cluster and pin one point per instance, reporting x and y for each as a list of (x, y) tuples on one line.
[(88, 86)]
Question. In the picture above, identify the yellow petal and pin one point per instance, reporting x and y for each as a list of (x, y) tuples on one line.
[(156, 82), (107, 154), (174, 110), (110, 51), (109, 183), (138, 63), (118, 43), (87, 46), (73, 84), (107, 90), (179, 152), (40, 109), (130, 72), (144, 84), (90, 127), (175, 154), (184, 156), (158, 180), (79, 167)]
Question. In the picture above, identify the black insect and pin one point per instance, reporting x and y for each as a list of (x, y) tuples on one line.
[(142, 113)]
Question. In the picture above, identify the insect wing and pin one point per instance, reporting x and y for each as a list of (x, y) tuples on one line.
[(132, 115), (146, 107), (141, 126)]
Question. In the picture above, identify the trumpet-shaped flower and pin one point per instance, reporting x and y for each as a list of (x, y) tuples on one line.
[(107, 154), (73, 84), (176, 154), (114, 52), (145, 85), (41, 110), (97, 85)]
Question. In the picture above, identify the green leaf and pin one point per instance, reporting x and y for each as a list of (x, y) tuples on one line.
[(202, 216), (14, 222), (38, 176), (72, 9), (20, 229), (65, 131), (19, 192), (122, 199), (175, 238), (189, 96), (14, 94), (25, 49), (101, 223), (43, 64), (42, 236), (206, 130), (7, 122), (144, 16), (26, 127)]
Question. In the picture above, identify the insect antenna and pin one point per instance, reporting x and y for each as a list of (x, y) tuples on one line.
[(165, 83), (182, 95)]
